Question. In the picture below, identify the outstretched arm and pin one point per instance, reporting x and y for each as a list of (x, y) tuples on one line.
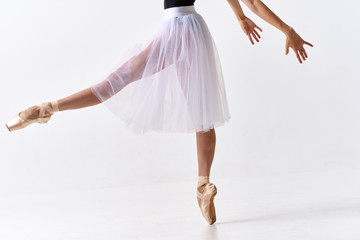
[(293, 40)]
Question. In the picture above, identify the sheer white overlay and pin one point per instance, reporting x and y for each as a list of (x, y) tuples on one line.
[(172, 82)]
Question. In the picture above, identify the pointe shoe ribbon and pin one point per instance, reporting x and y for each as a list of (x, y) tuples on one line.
[(207, 206), (45, 113), (50, 108)]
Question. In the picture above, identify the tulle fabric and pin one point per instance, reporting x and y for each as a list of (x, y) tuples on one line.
[(171, 82)]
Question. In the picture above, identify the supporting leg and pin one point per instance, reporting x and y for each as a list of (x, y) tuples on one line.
[(206, 142), (206, 191)]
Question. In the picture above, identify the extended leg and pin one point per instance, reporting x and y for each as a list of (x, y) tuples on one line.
[(130, 71), (155, 57), (81, 99)]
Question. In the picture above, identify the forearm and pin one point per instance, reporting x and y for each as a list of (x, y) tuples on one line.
[(260, 9), (235, 6)]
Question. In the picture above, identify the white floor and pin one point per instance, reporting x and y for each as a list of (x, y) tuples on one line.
[(312, 205)]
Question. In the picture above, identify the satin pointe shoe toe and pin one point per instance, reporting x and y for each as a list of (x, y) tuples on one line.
[(205, 195), (45, 112)]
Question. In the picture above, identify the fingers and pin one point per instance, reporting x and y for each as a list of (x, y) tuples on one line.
[(302, 54), (298, 56), (252, 42), (258, 28), (255, 37), (298, 48), (308, 43), (257, 33), (286, 48), (249, 29)]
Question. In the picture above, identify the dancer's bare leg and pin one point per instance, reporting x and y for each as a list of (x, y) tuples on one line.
[(130, 71), (206, 142), (81, 99)]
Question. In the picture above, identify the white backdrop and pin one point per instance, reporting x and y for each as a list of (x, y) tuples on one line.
[(286, 117)]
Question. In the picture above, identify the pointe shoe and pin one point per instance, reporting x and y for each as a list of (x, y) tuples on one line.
[(206, 201), (45, 114)]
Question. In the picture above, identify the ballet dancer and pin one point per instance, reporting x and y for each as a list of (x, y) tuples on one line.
[(173, 83)]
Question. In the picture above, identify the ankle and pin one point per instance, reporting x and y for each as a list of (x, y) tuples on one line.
[(53, 106), (202, 180)]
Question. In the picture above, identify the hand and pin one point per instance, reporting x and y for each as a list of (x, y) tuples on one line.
[(248, 27), (294, 41)]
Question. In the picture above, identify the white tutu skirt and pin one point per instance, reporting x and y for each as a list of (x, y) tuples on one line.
[(172, 82)]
